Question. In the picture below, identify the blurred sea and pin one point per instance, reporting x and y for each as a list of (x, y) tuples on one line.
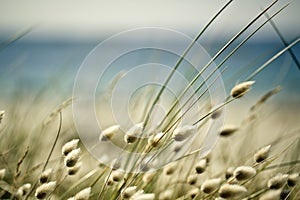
[(32, 65)]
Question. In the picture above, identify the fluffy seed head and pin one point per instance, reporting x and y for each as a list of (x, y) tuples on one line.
[(72, 157), (69, 146), (2, 115), (43, 190), (143, 196), (271, 195), (117, 176), (277, 181), (2, 173), (264, 98), (178, 146), (193, 193), (110, 182), (192, 179), (45, 176), (147, 177), (241, 89), (108, 133), (228, 191), (293, 179), (262, 154), (155, 139), (75, 169), (229, 172), (83, 194), (183, 132), (170, 168), (201, 166), (228, 130), (166, 195), (128, 192), (243, 173), (22, 191), (133, 133), (210, 185)]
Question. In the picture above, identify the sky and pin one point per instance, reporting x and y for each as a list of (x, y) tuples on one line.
[(80, 19)]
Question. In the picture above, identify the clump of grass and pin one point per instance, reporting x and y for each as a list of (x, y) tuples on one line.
[(226, 172)]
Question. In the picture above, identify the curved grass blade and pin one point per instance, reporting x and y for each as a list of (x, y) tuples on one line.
[(283, 41), (181, 59)]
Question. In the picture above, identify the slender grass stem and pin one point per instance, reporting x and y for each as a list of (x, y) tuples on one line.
[(107, 179), (50, 153), (15, 37), (295, 162), (80, 181), (180, 60), (262, 67), (283, 40), (223, 61)]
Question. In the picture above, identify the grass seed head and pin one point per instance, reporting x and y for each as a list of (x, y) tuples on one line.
[(229, 172), (262, 154), (183, 132), (2, 173), (192, 179), (228, 191), (293, 179), (73, 170), (210, 185), (264, 98), (166, 195), (72, 157), (170, 168), (117, 176), (148, 177), (201, 166), (155, 139), (22, 191), (45, 189), (128, 192), (133, 133), (83, 194), (243, 173), (110, 181), (277, 181), (271, 195), (241, 89), (193, 193), (228, 130), (69, 146), (178, 146), (108, 133), (45, 176), (2, 115), (143, 196)]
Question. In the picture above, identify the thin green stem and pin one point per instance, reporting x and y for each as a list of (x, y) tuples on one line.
[(180, 60), (50, 153), (283, 41), (262, 67), (224, 60)]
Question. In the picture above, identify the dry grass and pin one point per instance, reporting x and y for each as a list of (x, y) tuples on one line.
[(255, 157)]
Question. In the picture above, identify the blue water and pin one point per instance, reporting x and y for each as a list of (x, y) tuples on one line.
[(32, 65)]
